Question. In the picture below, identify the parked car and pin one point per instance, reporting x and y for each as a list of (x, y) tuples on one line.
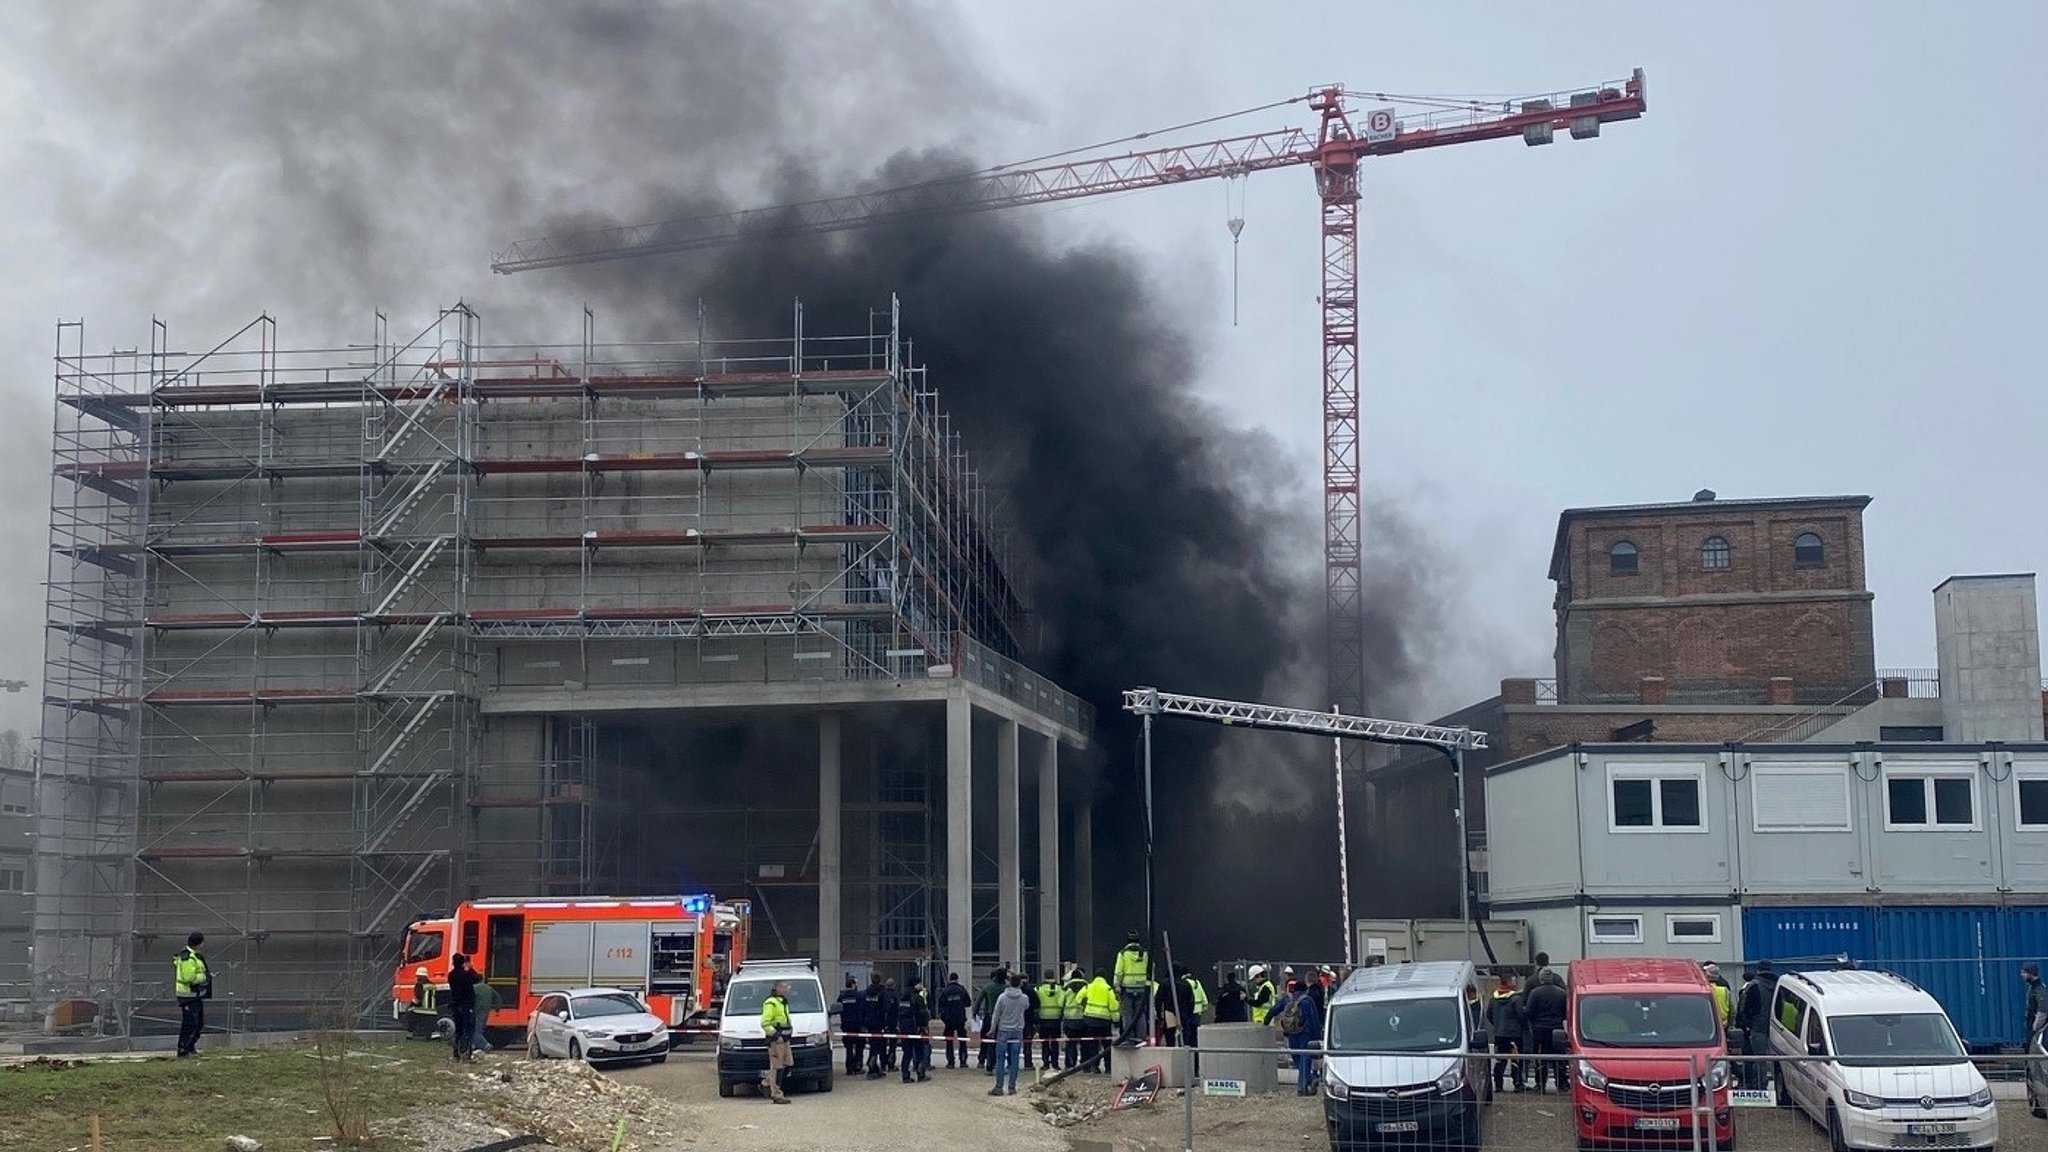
[(1647, 1047), (1404, 1062), (743, 1048), (1875, 1061), (597, 1025)]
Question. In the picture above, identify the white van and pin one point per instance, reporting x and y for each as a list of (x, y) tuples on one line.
[(1404, 1058), (743, 1048), (1877, 1063)]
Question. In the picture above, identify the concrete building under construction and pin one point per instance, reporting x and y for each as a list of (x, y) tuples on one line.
[(341, 636)]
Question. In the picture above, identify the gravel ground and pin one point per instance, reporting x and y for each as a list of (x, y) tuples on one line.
[(676, 1106), (951, 1111)]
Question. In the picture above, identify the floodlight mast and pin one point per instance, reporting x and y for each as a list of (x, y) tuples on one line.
[(1145, 703)]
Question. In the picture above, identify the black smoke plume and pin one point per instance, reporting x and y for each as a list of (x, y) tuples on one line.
[(323, 160)]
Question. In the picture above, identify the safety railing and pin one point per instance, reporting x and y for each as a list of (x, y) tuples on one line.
[(1416, 1092)]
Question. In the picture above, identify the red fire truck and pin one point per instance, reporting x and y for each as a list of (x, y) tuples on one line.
[(676, 952)]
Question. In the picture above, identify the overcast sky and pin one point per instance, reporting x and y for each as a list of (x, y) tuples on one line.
[(1813, 268)]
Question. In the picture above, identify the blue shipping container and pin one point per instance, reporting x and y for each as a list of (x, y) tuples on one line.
[(1786, 936), (1957, 954), (1967, 957)]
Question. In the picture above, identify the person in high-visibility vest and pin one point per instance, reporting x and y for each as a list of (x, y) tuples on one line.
[(1073, 1021), (1133, 976), (1262, 993), (192, 981), (1052, 1012), (1098, 1012), (776, 1028)]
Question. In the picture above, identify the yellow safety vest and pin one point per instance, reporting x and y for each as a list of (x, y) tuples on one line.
[(1075, 1002), (1052, 1001), (775, 1015), (188, 969), (1099, 1003), (1261, 1011), (1133, 968), (1720, 1002), (1201, 997)]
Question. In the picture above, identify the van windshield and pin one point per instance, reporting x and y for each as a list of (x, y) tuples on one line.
[(1429, 1024), (1897, 1038), (1658, 1020), (746, 997)]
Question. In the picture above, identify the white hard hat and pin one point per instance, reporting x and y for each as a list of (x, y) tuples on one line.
[(420, 971), (1257, 971)]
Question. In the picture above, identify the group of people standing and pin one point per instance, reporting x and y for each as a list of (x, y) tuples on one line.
[(1524, 1022), (1012, 1023)]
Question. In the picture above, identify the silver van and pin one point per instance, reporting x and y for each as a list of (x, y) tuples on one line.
[(1404, 1058)]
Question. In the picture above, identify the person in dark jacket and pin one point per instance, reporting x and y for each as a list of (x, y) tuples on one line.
[(1022, 981), (914, 1022), (462, 982), (1231, 1007), (1753, 1016), (853, 1022), (1543, 1006), (2036, 1006), (1504, 1016), (954, 1003), (879, 1011), (998, 982)]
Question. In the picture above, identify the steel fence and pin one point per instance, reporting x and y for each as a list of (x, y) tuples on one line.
[(1627, 1101)]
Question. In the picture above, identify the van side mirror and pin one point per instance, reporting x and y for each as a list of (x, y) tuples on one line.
[(562, 1015), (1816, 1048), (1559, 1039), (1480, 1040), (832, 1009), (1738, 1039), (1315, 1045)]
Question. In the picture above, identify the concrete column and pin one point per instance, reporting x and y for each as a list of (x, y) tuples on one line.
[(830, 886), (959, 830), (1009, 850), (1084, 888), (1049, 854)]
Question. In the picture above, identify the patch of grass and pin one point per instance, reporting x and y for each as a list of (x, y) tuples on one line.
[(271, 1094)]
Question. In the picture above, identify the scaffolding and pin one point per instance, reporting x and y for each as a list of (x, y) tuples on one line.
[(282, 581)]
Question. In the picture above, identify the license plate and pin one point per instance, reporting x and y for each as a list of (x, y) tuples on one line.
[(1930, 1129), (1656, 1123), (1396, 1126)]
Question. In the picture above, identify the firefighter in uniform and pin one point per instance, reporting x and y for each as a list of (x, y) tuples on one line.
[(853, 1024), (1052, 1010)]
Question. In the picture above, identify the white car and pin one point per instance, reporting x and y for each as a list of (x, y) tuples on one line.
[(1874, 1060), (597, 1025)]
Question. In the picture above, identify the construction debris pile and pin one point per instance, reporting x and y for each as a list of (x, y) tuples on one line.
[(565, 1102)]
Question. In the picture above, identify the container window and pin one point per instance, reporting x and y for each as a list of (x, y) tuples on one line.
[(13, 879), (1692, 928), (1809, 552), (1622, 558), (1602, 929), (1715, 553), (1799, 797), (1656, 799), (2033, 799), (1930, 802)]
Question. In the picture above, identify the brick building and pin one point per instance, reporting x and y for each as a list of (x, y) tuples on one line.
[(1700, 621), (1713, 601)]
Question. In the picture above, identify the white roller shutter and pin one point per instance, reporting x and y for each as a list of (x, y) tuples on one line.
[(1800, 797)]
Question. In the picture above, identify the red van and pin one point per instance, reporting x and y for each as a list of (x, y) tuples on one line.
[(1647, 1048)]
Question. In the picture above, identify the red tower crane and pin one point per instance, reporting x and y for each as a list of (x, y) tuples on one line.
[(1332, 151)]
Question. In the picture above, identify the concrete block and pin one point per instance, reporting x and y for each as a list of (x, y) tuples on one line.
[(1252, 1057), (1171, 1062)]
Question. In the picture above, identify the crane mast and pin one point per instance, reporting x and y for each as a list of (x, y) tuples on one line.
[(1332, 153)]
